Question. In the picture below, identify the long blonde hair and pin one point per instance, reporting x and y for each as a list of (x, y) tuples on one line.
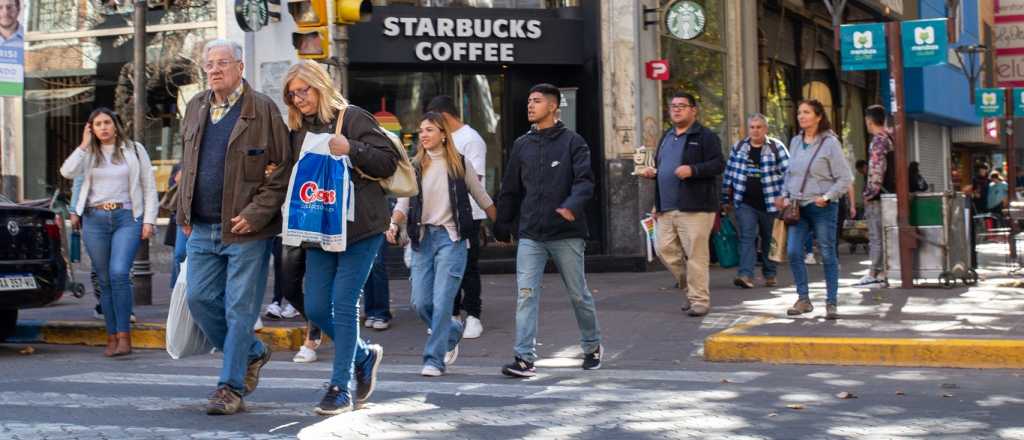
[(316, 76), (451, 155)]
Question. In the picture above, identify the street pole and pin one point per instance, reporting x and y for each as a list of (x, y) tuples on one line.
[(907, 233), (142, 279), (1011, 167), (340, 76)]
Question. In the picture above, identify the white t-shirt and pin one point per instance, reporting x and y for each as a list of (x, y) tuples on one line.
[(110, 181), (472, 146)]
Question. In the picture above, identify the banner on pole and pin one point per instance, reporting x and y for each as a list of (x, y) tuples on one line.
[(1018, 103), (989, 102), (862, 46), (925, 42)]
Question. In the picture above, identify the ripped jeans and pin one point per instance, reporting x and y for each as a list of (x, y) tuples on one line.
[(531, 257)]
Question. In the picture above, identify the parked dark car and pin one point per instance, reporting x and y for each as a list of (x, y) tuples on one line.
[(33, 270)]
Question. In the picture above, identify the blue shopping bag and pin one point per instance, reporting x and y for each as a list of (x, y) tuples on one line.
[(321, 197)]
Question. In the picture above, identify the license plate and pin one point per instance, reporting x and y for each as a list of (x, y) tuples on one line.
[(17, 282)]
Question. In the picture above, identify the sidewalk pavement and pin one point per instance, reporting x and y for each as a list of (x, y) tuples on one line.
[(641, 323)]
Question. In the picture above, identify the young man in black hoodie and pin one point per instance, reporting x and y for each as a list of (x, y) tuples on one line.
[(687, 165), (547, 183)]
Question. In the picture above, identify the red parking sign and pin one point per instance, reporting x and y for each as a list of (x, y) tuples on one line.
[(657, 70)]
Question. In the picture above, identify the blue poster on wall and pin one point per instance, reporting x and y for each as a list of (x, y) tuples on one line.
[(925, 42), (862, 46)]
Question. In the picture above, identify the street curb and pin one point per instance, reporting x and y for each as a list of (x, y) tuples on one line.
[(731, 345), (144, 335)]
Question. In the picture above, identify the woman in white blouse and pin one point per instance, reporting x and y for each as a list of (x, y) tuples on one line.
[(436, 219), (118, 205)]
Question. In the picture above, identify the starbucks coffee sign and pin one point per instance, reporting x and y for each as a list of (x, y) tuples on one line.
[(412, 35), (685, 20), (251, 15)]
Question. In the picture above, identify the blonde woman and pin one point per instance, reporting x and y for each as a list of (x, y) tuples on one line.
[(334, 280), (438, 219), (118, 204)]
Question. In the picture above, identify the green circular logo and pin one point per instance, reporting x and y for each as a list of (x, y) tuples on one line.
[(685, 20), (251, 15)]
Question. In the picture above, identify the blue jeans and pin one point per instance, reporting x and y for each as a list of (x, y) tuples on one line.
[(180, 240), (226, 283), (112, 238), (531, 257), (333, 283), (822, 221), (751, 223), (376, 295), (437, 269)]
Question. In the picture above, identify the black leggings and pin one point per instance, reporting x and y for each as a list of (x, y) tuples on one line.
[(289, 270)]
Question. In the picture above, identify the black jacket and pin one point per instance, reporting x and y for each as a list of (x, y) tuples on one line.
[(371, 151), (703, 153), (548, 169)]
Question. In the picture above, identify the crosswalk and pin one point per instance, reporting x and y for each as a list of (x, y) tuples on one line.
[(164, 400)]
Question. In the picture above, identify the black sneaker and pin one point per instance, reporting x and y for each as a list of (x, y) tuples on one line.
[(366, 374), (592, 361), (519, 368), (334, 402)]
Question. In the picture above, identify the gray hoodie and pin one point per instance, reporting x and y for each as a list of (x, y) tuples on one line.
[(829, 174)]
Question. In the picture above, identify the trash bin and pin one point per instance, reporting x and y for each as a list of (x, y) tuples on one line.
[(943, 252)]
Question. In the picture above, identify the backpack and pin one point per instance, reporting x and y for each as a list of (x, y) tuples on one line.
[(889, 179)]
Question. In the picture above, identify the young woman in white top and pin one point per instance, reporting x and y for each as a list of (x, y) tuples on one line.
[(118, 205), (438, 218)]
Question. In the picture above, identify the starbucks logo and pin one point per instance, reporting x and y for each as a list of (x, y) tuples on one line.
[(685, 20), (251, 15)]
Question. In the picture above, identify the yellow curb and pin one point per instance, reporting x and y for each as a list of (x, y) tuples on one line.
[(152, 335), (731, 345)]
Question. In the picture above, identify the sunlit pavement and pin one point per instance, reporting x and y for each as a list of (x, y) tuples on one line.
[(654, 382)]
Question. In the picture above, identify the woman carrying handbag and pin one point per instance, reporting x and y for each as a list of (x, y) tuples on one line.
[(817, 177)]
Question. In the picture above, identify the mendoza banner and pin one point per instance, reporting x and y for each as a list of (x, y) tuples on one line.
[(863, 46), (989, 102), (924, 42), (1018, 103)]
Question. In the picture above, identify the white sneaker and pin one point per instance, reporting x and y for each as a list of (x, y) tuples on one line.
[(870, 281), (809, 259), (132, 318), (429, 331), (451, 356), (305, 355), (430, 371), (474, 328), (368, 323), (289, 312), (381, 324), (259, 325), (273, 311)]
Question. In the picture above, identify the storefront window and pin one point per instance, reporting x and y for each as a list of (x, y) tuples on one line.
[(404, 95), (72, 15), (697, 66), (68, 78), (777, 94)]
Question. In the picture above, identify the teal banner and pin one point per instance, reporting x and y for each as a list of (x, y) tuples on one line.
[(925, 42), (863, 46), (1018, 103), (990, 102)]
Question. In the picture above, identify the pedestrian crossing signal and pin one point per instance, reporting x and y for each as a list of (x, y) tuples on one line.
[(312, 40)]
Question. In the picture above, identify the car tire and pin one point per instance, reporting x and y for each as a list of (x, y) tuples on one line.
[(8, 323)]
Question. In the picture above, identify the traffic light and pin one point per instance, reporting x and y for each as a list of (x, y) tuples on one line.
[(352, 11), (312, 40)]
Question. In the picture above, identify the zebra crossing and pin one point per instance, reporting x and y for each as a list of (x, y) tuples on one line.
[(151, 397)]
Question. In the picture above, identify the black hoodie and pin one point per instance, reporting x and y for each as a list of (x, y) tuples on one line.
[(548, 169)]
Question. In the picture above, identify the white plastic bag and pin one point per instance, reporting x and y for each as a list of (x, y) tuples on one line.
[(321, 198), (184, 337)]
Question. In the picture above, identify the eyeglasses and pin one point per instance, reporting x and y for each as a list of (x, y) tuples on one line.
[(681, 106), (301, 93), (222, 64)]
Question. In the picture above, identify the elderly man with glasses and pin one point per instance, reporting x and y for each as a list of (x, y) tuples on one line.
[(234, 176)]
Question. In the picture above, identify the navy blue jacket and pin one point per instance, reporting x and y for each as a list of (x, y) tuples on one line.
[(703, 153), (547, 169)]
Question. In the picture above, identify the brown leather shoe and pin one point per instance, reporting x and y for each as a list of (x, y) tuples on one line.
[(252, 373), (744, 282), (800, 307), (224, 402), (111, 346), (770, 282), (124, 344)]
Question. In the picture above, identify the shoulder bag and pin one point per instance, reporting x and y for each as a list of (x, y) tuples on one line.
[(400, 184), (791, 213)]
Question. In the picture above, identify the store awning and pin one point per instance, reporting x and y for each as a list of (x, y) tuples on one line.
[(47, 94)]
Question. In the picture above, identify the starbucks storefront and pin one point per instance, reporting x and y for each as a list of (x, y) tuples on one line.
[(486, 59)]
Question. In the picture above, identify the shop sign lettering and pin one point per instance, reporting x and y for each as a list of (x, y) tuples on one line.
[(505, 31)]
